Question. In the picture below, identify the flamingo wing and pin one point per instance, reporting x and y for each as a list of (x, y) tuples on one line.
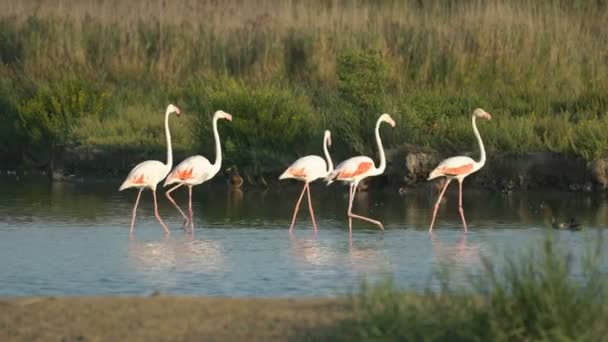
[(454, 166), (145, 174), (193, 170), (306, 168), (351, 168)]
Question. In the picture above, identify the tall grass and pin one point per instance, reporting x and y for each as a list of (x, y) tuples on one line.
[(533, 297), (539, 67)]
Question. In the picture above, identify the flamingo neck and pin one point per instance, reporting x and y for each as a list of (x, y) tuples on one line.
[(330, 164), (218, 147), (482, 159), (382, 165), (168, 136)]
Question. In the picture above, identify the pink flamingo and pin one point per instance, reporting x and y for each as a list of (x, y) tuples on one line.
[(147, 174), (195, 170), (459, 167), (308, 169), (355, 169)]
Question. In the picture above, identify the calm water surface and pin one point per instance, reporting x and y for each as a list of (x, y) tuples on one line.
[(73, 239)]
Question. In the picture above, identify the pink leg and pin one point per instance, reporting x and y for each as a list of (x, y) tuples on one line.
[(437, 204), (460, 205), (135, 210), (312, 213), (350, 205), (295, 213), (157, 214), (350, 214), (168, 195), (190, 208)]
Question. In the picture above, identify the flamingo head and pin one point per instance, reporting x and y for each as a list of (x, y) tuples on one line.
[(327, 137), (387, 118), (173, 109), (482, 114), (220, 114)]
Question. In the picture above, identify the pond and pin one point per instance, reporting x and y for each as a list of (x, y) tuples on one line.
[(73, 239)]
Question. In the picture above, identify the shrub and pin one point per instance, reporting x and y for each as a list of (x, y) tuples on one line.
[(271, 126), (50, 116)]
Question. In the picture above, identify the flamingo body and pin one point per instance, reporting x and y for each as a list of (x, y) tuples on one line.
[(149, 173), (458, 168), (308, 169), (193, 170), (146, 174), (196, 170), (353, 169)]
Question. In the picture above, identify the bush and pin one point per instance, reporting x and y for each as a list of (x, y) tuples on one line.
[(49, 118), (534, 297), (271, 127)]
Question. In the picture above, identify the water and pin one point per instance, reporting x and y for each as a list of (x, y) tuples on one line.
[(73, 239)]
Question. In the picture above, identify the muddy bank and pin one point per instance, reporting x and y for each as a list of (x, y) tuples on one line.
[(406, 167), (537, 170), (167, 318)]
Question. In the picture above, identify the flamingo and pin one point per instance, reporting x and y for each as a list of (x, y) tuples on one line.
[(147, 174), (309, 169), (355, 169), (459, 167), (195, 170)]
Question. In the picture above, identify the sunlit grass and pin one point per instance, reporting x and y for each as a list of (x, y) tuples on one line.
[(533, 297)]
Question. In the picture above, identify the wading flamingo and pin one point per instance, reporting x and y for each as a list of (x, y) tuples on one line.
[(147, 174), (354, 169), (458, 168), (308, 169), (196, 170)]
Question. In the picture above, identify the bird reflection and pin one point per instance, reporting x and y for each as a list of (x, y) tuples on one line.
[(179, 255), (310, 251), (460, 253)]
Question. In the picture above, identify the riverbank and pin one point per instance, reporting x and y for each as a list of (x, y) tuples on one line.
[(167, 318), (407, 168)]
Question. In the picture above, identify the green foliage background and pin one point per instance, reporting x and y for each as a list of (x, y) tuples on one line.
[(101, 73)]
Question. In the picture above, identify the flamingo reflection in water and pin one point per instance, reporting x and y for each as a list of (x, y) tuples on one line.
[(160, 260), (460, 254)]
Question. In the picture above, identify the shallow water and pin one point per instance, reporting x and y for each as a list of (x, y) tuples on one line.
[(73, 239)]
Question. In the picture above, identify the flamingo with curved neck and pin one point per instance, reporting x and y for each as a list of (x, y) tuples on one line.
[(147, 174), (460, 167), (196, 170), (308, 169), (355, 169)]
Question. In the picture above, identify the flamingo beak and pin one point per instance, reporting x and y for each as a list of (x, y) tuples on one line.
[(392, 123), (178, 112), (228, 117), (489, 117)]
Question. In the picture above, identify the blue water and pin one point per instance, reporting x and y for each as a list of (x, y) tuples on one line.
[(73, 239)]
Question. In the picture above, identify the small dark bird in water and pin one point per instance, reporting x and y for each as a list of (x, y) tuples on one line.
[(234, 178), (569, 225)]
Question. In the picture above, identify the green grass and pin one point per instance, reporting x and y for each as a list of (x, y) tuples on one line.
[(538, 67), (535, 297)]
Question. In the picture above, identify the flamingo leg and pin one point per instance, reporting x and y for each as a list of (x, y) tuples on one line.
[(350, 205), (312, 213), (190, 208), (295, 213), (437, 204), (168, 195), (350, 214), (135, 211), (157, 214), (464, 222)]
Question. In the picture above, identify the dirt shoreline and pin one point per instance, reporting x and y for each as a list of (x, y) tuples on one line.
[(165, 318), (406, 168)]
